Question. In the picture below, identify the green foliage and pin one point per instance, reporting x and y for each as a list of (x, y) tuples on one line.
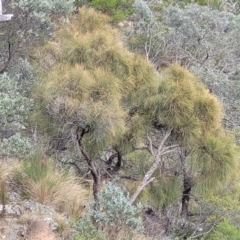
[(35, 167), (182, 103), (94, 81), (14, 112), (115, 210), (118, 9), (216, 4), (143, 9), (216, 157), (80, 3), (23, 74), (225, 231), (58, 6), (211, 3), (113, 214), (203, 38), (3, 193), (32, 23), (164, 192), (16, 146), (87, 230), (14, 106)]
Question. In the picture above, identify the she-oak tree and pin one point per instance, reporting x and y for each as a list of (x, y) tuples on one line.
[(103, 98)]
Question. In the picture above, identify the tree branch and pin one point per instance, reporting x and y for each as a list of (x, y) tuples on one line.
[(147, 178)]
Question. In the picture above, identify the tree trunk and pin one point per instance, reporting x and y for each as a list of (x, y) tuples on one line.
[(187, 186), (146, 180), (96, 184), (157, 159), (186, 196), (94, 171)]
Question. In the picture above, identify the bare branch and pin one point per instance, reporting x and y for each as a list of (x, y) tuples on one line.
[(147, 178)]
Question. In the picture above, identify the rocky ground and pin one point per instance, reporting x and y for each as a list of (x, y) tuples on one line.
[(31, 221)]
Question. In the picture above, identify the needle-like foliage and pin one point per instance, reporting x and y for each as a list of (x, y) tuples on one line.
[(93, 80), (106, 97), (180, 102)]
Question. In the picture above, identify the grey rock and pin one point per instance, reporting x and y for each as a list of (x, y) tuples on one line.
[(14, 210), (51, 223), (14, 197), (32, 206)]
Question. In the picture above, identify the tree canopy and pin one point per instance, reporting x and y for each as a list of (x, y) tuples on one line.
[(108, 99), (141, 110)]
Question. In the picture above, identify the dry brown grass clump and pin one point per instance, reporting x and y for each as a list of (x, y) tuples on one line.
[(7, 167), (42, 182), (39, 230)]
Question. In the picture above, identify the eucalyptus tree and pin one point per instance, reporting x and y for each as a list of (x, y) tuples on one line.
[(211, 50), (32, 22)]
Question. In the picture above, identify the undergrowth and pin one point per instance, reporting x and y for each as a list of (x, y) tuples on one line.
[(40, 181)]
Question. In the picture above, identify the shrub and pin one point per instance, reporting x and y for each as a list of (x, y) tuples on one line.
[(224, 231), (80, 3), (113, 214), (142, 8), (87, 231), (14, 112), (118, 9)]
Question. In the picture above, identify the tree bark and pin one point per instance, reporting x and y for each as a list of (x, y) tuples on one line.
[(186, 197), (187, 186), (157, 159), (94, 171), (118, 165)]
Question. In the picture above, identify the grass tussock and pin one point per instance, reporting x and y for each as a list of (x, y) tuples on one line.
[(40, 181), (6, 171)]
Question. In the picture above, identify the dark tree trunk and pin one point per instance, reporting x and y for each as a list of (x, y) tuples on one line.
[(119, 161), (118, 165), (187, 186), (94, 171), (186, 196), (96, 184)]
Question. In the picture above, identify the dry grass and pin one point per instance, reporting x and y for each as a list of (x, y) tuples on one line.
[(64, 227), (7, 168), (43, 183), (125, 234)]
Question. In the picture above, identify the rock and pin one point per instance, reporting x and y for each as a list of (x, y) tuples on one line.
[(13, 210), (29, 205), (14, 197), (16, 233), (51, 223), (39, 230), (121, 24), (36, 207)]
